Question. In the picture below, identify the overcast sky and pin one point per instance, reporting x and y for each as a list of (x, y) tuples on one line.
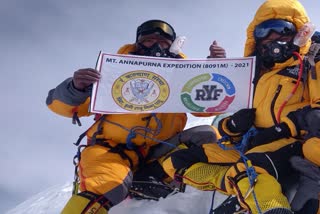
[(44, 42)]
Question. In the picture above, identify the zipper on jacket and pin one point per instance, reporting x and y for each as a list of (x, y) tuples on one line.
[(273, 104)]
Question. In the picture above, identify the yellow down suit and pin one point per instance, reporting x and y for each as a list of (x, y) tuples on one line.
[(226, 171), (106, 168)]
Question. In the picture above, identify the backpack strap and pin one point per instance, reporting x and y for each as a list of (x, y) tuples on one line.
[(312, 58)]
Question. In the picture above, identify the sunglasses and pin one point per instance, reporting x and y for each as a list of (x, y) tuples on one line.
[(158, 26), (279, 26)]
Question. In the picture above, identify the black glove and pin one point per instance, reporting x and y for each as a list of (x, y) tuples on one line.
[(241, 121), (270, 134), (307, 119), (298, 118), (313, 123)]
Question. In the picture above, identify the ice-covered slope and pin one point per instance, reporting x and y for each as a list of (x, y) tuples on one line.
[(53, 199)]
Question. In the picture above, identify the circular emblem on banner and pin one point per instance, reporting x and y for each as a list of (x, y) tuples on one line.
[(140, 91), (208, 93)]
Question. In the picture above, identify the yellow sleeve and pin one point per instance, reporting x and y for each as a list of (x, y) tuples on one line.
[(65, 100)]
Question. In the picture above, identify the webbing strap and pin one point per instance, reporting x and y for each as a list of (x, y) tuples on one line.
[(94, 136), (94, 198)]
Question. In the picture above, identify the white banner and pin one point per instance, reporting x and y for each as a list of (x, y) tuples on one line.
[(133, 84)]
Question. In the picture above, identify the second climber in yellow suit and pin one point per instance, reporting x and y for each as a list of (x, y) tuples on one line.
[(280, 75), (120, 144)]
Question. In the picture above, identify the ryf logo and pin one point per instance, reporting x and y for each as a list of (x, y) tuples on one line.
[(213, 88), (208, 92), (140, 91)]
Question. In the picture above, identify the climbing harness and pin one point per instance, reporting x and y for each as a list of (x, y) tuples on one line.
[(119, 148)]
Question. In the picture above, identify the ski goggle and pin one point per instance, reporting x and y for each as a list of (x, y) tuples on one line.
[(158, 26), (279, 26)]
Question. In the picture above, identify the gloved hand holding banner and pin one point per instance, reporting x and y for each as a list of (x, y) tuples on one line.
[(135, 84)]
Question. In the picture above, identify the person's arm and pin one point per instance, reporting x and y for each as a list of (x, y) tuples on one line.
[(296, 121), (301, 122), (73, 94)]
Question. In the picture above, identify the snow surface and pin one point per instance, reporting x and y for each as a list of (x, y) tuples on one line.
[(52, 200)]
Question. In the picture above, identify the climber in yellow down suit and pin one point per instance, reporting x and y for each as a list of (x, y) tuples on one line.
[(285, 93), (121, 144)]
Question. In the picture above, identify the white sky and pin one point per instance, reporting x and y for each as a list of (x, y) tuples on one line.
[(44, 42)]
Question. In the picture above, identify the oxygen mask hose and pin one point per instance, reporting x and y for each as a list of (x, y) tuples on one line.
[(302, 37), (294, 88)]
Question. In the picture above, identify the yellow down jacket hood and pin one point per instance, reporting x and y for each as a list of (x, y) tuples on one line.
[(290, 10)]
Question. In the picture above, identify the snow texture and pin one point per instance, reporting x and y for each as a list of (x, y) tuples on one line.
[(52, 201)]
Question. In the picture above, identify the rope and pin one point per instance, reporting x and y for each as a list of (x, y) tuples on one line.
[(133, 132), (241, 148), (130, 136)]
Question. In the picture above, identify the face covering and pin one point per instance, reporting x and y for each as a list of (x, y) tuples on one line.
[(155, 50), (276, 52)]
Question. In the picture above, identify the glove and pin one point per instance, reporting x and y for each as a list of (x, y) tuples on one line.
[(270, 134), (308, 187), (298, 118), (307, 119), (312, 121), (241, 121)]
